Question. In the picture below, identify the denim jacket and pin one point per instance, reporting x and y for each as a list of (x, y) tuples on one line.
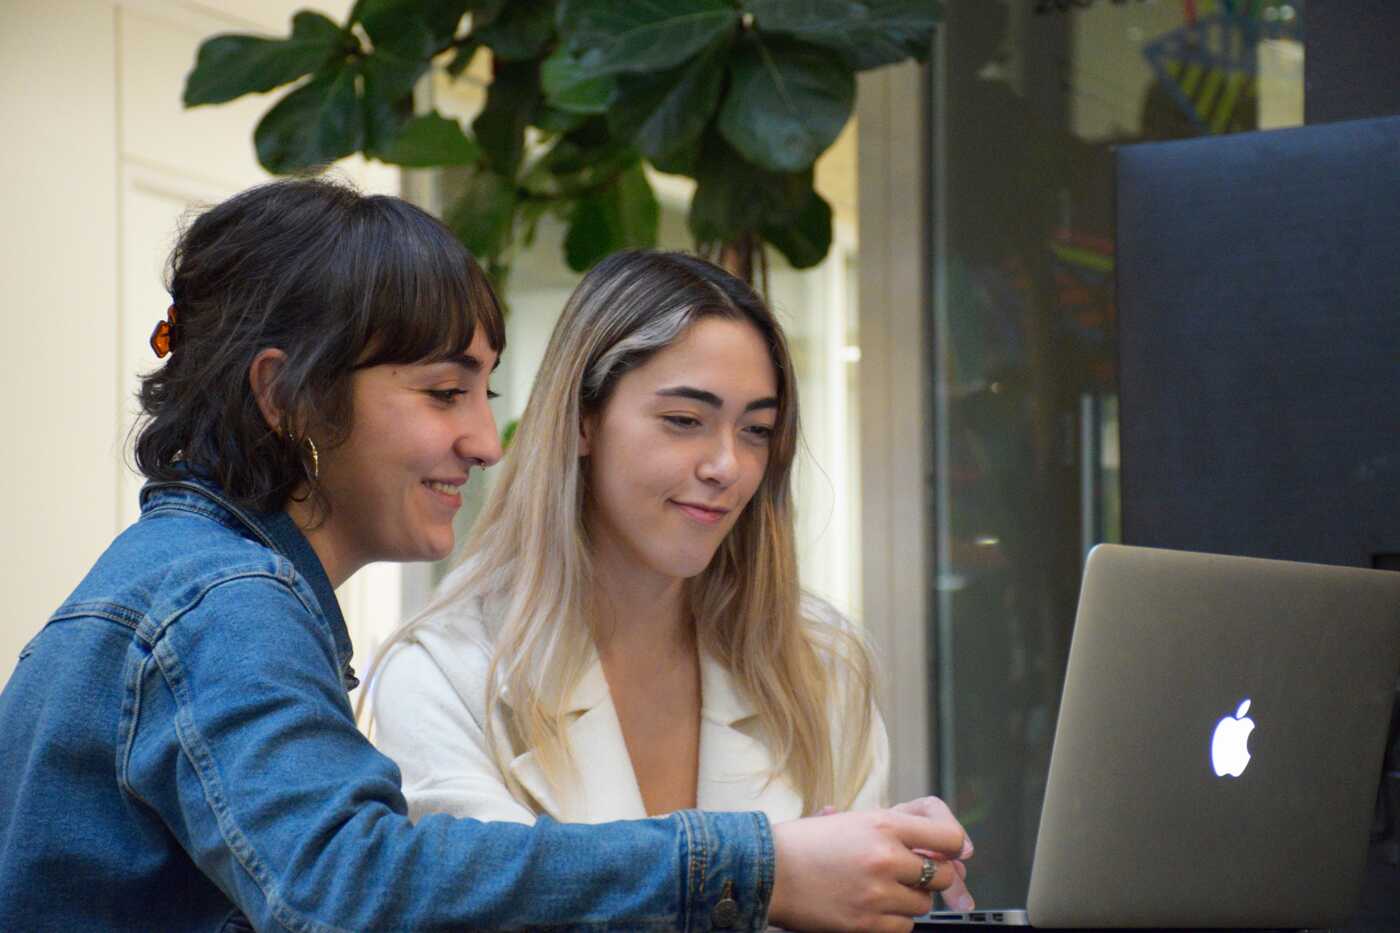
[(177, 752)]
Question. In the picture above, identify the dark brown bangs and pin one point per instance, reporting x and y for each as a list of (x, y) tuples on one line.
[(425, 295)]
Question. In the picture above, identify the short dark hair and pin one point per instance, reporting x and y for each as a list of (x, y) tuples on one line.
[(335, 279)]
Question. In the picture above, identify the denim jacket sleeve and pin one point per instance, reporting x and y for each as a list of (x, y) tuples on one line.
[(239, 735)]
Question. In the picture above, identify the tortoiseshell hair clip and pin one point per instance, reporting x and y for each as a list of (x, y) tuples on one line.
[(164, 336)]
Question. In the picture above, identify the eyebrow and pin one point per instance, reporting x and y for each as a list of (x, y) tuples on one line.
[(468, 362), (713, 400)]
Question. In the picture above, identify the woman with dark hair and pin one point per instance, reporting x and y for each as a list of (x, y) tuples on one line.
[(178, 748)]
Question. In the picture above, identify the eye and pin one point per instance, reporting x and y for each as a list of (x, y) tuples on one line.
[(760, 432), (490, 394), (681, 421), (446, 396)]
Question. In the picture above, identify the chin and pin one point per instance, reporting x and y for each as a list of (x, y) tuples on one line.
[(689, 566), (433, 550)]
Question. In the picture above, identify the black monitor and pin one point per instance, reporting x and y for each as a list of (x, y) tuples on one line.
[(1259, 343), (1258, 282)]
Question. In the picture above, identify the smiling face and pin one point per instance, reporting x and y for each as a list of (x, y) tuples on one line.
[(394, 485), (678, 451)]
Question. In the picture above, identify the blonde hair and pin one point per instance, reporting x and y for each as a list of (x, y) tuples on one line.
[(528, 553)]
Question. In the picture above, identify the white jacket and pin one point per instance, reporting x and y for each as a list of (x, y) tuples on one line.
[(429, 715)]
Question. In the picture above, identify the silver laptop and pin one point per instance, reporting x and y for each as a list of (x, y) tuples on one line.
[(1219, 745)]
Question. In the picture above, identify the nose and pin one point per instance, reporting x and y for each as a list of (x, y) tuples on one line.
[(478, 439), (720, 465)]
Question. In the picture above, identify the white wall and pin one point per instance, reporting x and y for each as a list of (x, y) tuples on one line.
[(893, 422), (58, 195), (99, 162)]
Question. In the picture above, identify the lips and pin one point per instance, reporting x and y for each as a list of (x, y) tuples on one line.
[(706, 515), (445, 491)]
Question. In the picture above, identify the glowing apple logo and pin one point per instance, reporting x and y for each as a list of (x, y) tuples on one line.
[(1229, 747)]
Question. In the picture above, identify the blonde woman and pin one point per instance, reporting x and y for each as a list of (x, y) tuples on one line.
[(626, 636)]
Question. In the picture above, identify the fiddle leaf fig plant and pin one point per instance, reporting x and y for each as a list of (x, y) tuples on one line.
[(742, 96)]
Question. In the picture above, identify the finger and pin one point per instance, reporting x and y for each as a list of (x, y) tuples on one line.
[(943, 837), (940, 857), (944, 876), (929, 806), (956, 895), (904, 901), (935, 809)]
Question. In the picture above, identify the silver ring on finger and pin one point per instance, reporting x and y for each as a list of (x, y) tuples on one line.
[(926, 874)]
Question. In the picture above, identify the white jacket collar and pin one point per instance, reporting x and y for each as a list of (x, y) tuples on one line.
[(733, 764)]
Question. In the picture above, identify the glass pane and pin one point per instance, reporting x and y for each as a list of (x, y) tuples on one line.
[(1029, 99)]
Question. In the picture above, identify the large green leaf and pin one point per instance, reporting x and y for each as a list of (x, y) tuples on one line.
[(386, 95), (410, 29), (319, 122), (607, 37), (865, 33), (680, 162), (528, 213), (805, 238), (511, 101), (585, 158), (569, 88), (430, 140), (520, 31), (482, 214), (554, 121), (623, 215), (786, 103), (733, 196), (664, 113), (230, 66)]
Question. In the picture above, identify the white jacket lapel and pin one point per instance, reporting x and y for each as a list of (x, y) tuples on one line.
[(604, 786), (734, 763)]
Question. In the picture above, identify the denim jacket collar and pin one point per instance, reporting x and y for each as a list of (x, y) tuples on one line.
[(278, 531)]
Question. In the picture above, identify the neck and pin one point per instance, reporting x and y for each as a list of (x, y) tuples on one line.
[(337, 561), (639, 611)]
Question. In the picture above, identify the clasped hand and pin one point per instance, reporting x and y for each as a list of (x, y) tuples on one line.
[(858, 871)]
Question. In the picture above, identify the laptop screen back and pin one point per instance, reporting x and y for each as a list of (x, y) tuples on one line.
[(1139, 828)]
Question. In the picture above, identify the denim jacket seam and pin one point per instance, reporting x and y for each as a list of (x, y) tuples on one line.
[(229, 917), (767, 864), (210, 504), (210, 510), (688, 893), (101, 609), (197, 752), (126, 728), (697, 840), (287, 579), (218, 506), (201, 760), (284, 572), (707, 848)]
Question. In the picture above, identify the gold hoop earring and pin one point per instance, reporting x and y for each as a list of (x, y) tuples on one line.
[(315, 470), (315, 458)]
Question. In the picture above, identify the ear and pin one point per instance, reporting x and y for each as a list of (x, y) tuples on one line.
[(585, 430), (262, 375)]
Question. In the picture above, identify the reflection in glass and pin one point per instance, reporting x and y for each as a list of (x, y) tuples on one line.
[(1028, 101)]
